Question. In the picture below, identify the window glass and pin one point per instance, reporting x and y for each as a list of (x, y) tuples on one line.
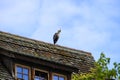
[(55, 77), (37, 78), (58, 77), (25, 71), (25, 77), (19, 75), (61, 78), (19, 69)]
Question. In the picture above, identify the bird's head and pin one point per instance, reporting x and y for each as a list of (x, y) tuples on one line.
[(59, 31)]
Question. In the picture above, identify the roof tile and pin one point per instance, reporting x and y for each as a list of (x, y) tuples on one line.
[(46, 51), (4, 74)]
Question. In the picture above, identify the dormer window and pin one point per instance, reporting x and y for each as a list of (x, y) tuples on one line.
[(22, 72)]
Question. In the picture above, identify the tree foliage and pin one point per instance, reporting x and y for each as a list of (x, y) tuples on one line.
[(100, 71)]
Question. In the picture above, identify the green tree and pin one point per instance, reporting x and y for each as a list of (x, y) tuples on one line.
[(100, 71)]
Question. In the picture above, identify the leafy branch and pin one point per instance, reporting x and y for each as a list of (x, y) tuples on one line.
[(100, 71)]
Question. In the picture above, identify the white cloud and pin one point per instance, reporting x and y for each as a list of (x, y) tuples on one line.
[(91, 26), (19, 16), (52, 16), (86, 24)]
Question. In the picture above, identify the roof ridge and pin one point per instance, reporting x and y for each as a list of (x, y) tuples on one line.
[(38, 42)]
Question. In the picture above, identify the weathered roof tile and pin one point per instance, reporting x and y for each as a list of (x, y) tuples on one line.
[(49, 52), (4, 74)]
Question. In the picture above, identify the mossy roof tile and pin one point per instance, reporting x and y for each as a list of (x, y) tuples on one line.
[(47, 51)]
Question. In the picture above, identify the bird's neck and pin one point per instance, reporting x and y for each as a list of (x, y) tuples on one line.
[(58, 32)]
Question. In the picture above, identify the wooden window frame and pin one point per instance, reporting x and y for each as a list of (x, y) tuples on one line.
[(59, 75), (23, 66), (36, 69)]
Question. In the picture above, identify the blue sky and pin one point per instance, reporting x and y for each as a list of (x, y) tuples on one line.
[(88, 25)]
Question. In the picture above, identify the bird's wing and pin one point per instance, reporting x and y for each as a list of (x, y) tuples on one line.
[(55, 38)]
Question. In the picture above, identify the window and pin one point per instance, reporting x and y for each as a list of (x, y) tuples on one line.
[(58, 77), (22, 72), (40, 75)]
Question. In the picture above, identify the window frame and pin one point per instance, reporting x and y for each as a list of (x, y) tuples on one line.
[(59, 75), (44, 71), (22, 66)]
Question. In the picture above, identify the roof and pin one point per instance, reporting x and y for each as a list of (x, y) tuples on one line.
[(4, 74), (41, 50)]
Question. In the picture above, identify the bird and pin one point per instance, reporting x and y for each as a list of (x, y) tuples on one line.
[(56, 36)]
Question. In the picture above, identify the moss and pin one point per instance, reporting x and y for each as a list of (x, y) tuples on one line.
[(47, 51)]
